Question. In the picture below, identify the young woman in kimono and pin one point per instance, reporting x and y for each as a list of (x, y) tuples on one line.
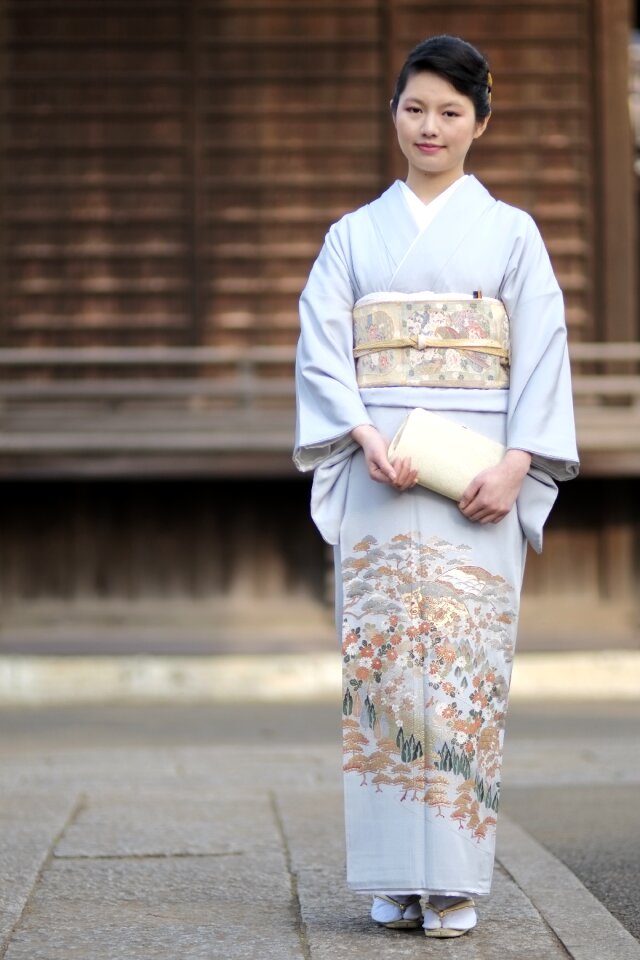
[(427, 588)]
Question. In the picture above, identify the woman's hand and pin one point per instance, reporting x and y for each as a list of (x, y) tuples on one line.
[(491, 495), (374, 446)]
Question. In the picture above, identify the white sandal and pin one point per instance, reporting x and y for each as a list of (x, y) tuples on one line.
[(404, 916), (465, 920)]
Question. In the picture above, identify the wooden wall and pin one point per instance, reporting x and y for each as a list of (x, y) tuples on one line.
[(104, 540), (170, 166), (120, 564), (98, 173), (292, 95), (168, 170)]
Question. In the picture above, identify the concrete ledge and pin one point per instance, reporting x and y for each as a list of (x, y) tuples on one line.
[(26, 680), (582, 924), (593, 675)]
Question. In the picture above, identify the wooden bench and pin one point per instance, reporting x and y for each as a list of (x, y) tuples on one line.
[(165, 412), (214, 411), (606, 387)]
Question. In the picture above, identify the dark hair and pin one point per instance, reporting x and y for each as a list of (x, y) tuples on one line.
[(456, 61)]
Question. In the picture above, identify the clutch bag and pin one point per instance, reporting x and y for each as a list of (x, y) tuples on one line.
[(446, 455)]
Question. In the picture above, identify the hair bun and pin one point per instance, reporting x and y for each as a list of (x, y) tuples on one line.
[(456, 61)]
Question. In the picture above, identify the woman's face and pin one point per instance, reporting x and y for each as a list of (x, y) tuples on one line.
[(435, 125)]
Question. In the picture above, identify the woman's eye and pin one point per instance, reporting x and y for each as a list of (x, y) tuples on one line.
[(413, 109), (450, 113)]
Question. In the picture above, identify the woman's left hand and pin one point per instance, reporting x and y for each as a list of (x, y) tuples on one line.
[(491, 495)]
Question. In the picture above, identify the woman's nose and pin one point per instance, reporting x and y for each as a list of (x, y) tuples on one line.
[(429, 126)]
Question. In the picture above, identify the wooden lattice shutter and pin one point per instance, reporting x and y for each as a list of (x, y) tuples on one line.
[(170, 166), (97, 172), (291, 99)]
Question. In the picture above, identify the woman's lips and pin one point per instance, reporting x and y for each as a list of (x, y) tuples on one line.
[(429, 147)]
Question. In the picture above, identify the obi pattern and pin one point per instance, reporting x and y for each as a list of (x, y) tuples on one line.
[(432, 342)]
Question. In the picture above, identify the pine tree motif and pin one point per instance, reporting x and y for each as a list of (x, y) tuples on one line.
[(419, 617)]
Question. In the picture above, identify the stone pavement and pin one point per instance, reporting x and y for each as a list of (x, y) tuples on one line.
[(236, 851)]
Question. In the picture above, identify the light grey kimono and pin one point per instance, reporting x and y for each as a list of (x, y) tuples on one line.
[(428, 601)]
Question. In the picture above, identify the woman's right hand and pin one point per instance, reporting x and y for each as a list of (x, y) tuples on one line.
[(398, 474)]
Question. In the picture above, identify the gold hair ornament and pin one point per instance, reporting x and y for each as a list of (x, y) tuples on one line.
[(489, 84)]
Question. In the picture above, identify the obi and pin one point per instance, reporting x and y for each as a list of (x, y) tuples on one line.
[(431, 340)]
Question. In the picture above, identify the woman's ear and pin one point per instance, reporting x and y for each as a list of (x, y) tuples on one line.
[(481, 126), (393, 112)]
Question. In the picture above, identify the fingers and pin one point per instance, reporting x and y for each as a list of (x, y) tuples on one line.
[(486, 516), (378, 474), (491, 495), (478, 503), (481, 511), (388, 471), (469, 495), (398, 474), (381, 470), (478, 511), (406, 476), (375, 448)]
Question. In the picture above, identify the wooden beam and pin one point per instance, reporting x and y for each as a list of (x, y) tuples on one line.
[(122, 465)]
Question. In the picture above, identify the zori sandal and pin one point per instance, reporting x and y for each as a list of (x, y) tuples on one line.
[(396, 915), (464, 919)]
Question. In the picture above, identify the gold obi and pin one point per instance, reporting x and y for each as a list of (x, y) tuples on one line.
[(431, 340)]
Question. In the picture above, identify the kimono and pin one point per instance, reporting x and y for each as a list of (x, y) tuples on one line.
[(427, 601)]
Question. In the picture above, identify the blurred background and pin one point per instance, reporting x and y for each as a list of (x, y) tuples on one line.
[(168, 169)]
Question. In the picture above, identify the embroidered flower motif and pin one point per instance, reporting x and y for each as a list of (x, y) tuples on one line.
[(450, 723)]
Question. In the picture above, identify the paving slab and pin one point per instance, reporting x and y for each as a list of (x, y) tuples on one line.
[(232, 769), (146, 909), (70, 770), (227, 768), (171, 825), (595, 760), (212, 852), (29, 827), (336, 919)]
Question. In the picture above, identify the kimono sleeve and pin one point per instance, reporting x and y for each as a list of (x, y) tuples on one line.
[(328, 402), (540, 416)]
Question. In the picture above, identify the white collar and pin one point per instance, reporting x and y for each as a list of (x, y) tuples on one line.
[(424, 213)]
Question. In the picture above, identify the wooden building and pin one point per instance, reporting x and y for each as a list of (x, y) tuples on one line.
[(168, 170)]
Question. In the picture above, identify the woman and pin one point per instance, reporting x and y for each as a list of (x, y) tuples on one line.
[(428, 589)]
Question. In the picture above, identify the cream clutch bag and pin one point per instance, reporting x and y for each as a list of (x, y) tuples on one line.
[(446, 455)]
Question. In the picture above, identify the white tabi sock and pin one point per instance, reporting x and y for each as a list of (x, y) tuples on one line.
[(384, 912), (464, 919)]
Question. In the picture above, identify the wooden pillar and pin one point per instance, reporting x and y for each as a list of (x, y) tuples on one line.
[(3, 186), (194, 159), (618, 543), (394, 163), (615, 187)]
